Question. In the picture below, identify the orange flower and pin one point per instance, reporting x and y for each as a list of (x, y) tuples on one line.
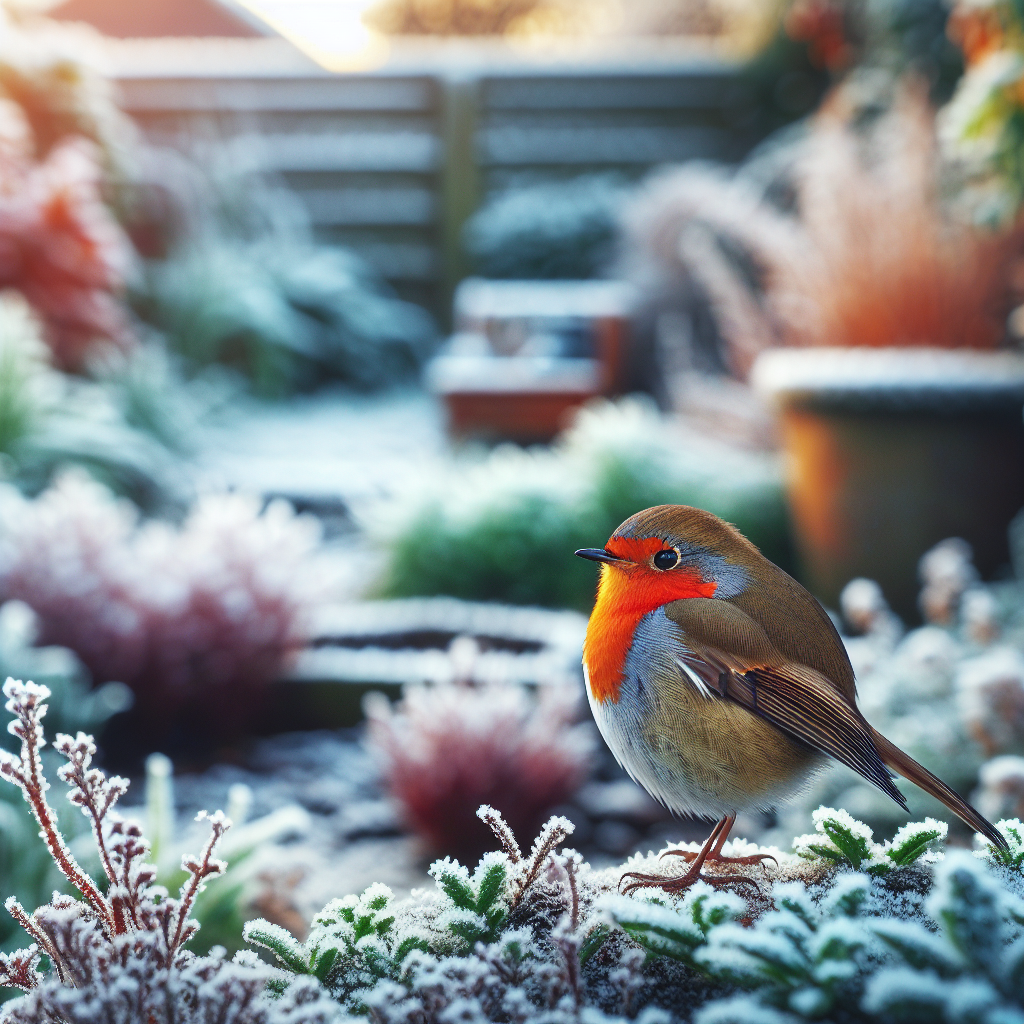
[(977, 32)]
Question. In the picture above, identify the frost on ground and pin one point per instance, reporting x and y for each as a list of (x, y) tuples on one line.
[(842, 929)]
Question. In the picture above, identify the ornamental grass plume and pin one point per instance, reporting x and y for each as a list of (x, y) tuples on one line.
[(840, 237), (446, 749), (196, 619), (885, 263)]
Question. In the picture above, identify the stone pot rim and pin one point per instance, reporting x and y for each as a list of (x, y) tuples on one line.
[(897, 380)]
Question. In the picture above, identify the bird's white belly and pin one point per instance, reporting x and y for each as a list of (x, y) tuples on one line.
[(694, 752)]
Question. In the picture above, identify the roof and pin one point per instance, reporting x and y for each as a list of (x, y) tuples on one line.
[(130, 19)]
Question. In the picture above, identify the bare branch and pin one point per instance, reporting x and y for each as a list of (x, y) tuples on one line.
[(199, 868), (90, 789), (26, 701), (496, 823)]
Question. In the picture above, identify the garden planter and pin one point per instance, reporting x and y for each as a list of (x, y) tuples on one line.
[(527, 354), (890, 451)]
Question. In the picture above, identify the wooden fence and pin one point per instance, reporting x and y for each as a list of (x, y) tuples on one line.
[(392, 163)]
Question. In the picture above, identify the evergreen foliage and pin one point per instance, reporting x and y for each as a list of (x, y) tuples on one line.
[(914, 935), (547, 231), (504, 529)]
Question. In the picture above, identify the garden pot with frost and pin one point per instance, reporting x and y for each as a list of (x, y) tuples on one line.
[(890, 451)]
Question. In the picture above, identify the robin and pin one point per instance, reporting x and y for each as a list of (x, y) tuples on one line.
[(721, 685)]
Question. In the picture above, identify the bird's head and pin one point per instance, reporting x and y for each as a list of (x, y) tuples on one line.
[(672, 552)]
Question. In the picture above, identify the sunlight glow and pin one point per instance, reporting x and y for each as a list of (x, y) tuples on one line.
[(331, 32)]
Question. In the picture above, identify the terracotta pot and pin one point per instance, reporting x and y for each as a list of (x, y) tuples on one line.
[(890, 451)]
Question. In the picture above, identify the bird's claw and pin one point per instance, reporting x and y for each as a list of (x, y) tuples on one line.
[(689, 855), (680, 883)]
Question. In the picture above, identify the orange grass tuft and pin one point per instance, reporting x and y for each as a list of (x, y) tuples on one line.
[(883, 264)]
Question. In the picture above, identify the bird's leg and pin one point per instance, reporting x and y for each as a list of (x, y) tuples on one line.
[(716, 851), (679, 883)]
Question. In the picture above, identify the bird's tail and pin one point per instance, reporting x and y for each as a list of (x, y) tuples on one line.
[(906, 766)]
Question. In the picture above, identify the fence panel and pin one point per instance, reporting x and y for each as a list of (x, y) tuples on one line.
[(393, 164)]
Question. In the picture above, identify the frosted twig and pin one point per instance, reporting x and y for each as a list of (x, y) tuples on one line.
[(497, 824), (555, 831), (42, 940), (26, 701), (94, 794), (199, 868), (570, 862), (18, 969)]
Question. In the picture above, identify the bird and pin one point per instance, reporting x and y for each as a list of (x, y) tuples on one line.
[(721, 685)]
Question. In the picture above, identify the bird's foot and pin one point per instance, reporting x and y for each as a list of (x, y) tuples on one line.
[(674, 884), (691, 855)]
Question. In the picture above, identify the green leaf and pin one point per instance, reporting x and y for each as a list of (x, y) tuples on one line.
[(593, 942), (457, 890), (323, 964), (280, 942), (914, 847), (854, 848), (491, 887)]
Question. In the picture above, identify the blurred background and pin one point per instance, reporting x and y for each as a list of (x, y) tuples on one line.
[(330, 328)]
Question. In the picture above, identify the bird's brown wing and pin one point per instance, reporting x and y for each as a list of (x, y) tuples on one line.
[(737, 661)]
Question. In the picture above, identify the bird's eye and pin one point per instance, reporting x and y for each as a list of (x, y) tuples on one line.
[(665, 559)]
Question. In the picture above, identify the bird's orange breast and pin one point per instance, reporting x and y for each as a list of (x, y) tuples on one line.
[(625, 595)]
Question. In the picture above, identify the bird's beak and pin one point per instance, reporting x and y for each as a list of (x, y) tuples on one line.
[(598, 555)]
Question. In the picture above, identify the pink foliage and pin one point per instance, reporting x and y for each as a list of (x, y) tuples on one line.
[(197, 616), (60, 246), (448, 748)]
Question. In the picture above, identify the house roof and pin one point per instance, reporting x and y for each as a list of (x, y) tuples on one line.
[(132, 19)]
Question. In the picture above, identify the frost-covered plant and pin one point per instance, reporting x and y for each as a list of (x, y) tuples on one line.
[(240, 281), (50, 420), (951, 692), (858, 947), (67, 254), (844, 841), (510, 941), (448, 748), (553, 230), (499, 529), (26, 869), (196, 617), (544, 938), (867, 253), (119, 954)]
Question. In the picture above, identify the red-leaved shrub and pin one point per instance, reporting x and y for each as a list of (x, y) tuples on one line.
[(60, 246), (448, 748), (196, 617)]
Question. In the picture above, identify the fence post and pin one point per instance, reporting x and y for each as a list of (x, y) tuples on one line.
[(460, 185)]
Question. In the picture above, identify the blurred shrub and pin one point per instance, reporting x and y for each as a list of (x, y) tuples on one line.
[(450, 17), (951, 692), (234, 277), (196, 617), (121, 425), (447, 748), (505, 529), (62, 248), (864, 249), (287, 318), (983, 124), (51, 71), (551, 230)]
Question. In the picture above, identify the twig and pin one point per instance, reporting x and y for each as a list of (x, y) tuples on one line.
[(497, 824), (25, 702), (199, 869)]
